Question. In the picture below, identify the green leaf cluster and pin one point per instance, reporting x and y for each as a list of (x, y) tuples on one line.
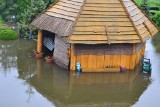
[(8, 34)]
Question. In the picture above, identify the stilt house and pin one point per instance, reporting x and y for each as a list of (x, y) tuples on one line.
[(100, 34)]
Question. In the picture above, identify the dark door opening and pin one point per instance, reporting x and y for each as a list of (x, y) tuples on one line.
[(48, 43)]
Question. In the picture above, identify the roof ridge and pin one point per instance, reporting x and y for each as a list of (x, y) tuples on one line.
[(126, 11)]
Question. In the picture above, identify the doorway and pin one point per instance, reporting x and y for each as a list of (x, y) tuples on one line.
[(48, 43)]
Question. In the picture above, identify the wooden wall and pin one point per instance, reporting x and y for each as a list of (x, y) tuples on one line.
[(60, 52), (102, 62)]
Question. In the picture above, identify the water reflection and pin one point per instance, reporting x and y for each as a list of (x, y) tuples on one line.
[(90, 89), (16, 67), (30, 82), (151, 96)]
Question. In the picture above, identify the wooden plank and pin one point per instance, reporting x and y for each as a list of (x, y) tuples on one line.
[(88, 37), (103, 13), (65, 8), (79, 1), (148, 23), (123, 33), (94, 61), (132, 61), (89, 23), (149, 26), (68, 5), (142, 30), (88, 42), (134, 12), (90, 60), (61, 16), (90, 29), (150, 29), (102, 9), (128, 61), (137, 17), (100, 59), (128, 4), (140, 21), (154, 31), (105, 42), (102, 1), (101, 16), (84, 61), (125, 61), (146, 34), (126, 37), (104, 19), (140, 26), (125, 41), (120, 29), (72, 2), (108, 61), (102, 29), (88, 33), (116, 61), (132, 7), (65, 13), (104, 33), (103, 5)]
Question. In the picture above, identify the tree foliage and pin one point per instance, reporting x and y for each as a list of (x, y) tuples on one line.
[(24, 10), (144, 5)]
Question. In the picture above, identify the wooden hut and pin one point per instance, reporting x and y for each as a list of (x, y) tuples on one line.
[(100, 34)]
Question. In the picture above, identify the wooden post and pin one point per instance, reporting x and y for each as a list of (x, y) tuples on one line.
[(72, 58), (39, 41)]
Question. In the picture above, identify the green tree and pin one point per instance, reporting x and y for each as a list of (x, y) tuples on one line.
[(144, 5), (24, 10)]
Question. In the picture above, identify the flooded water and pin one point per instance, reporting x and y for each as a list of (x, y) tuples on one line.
[(29, 82)]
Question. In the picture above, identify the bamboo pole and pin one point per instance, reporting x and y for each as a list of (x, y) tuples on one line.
[(39, 41)]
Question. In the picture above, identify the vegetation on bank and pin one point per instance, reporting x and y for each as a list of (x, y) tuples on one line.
[(152, 8), (6, 33)]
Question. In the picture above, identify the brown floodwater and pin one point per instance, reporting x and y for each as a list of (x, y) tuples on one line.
[(29, 82)]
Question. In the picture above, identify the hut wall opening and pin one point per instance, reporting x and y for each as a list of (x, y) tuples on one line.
[(48, 43)]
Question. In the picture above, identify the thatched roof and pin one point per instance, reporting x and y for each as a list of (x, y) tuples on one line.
[(60, 17), (97, 21)]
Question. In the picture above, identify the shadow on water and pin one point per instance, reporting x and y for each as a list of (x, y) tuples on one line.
[(49, 85)]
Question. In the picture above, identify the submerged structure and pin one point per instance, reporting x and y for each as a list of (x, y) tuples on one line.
[(100, 34)]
